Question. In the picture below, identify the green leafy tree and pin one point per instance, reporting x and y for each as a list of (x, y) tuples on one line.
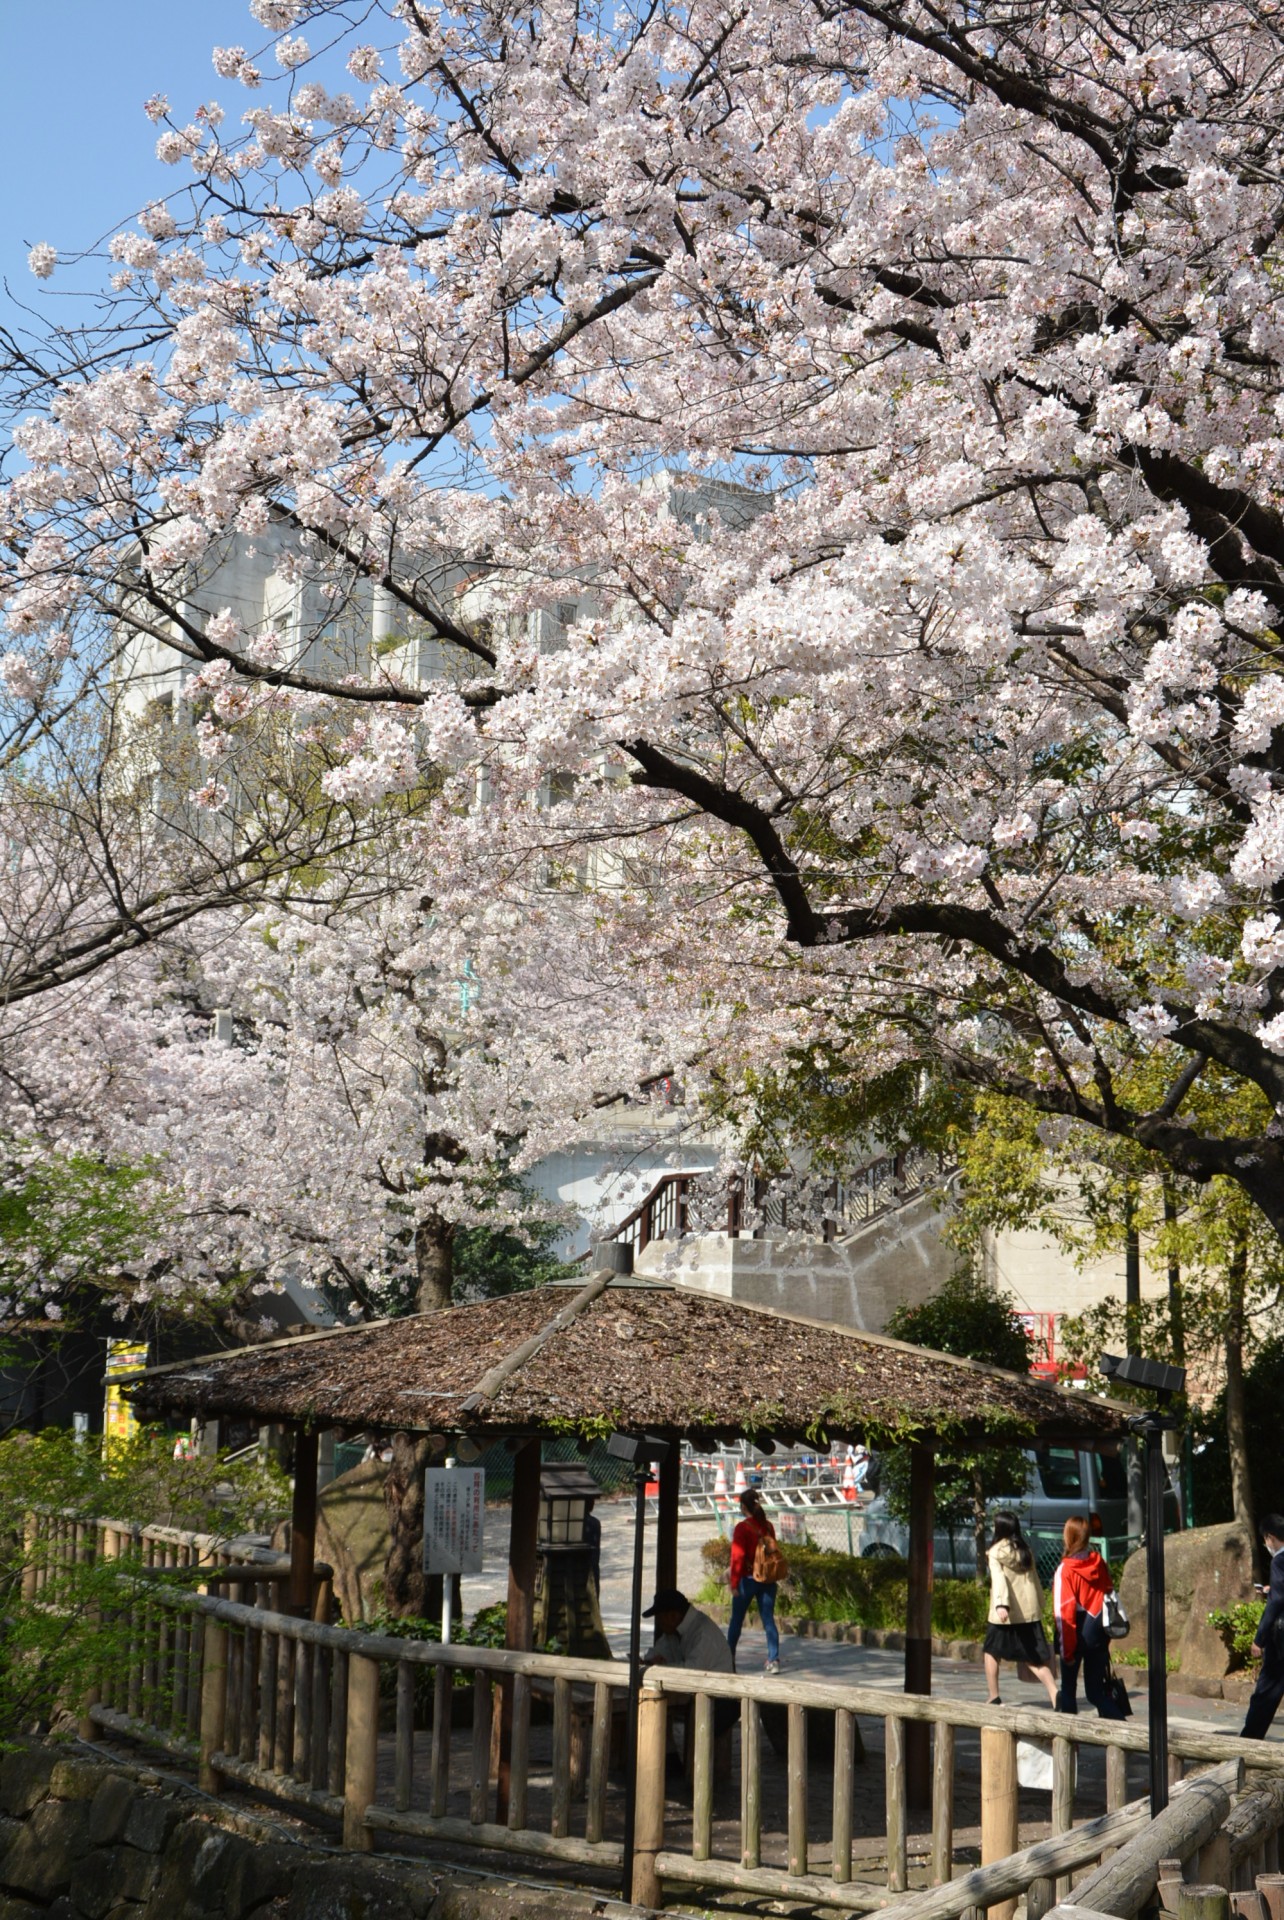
[(974, 1320), (58, 1640), (70, 1228), (1223, 1263)]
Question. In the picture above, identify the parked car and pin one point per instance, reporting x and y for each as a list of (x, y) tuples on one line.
[(1060, 1481)]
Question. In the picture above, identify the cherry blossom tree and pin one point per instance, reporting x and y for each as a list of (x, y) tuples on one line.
[(893, 386), (355, 1102)]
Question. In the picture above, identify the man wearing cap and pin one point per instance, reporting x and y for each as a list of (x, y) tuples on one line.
[(685, 1637)]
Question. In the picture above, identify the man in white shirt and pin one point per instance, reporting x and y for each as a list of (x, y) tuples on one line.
[(685, 1637)]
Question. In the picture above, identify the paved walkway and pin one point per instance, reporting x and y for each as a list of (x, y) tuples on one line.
[(831, 1661)]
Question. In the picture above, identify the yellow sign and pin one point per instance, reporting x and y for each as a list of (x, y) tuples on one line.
[(120, 1422)]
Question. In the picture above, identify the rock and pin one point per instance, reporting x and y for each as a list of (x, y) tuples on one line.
[(43, 1857), (12, 1907), (345, 1890), (112, 1805), (352, 1535), (151, 1821), (109, 1875), (258, 1876), (172, 1896), (93, 1884), (75, 1779), (24, 1779), (1204, 1568)]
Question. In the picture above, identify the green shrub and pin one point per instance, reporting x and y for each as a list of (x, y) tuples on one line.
[(1237, 1626), (487, 1629), (868, 1593), (54, 1648)]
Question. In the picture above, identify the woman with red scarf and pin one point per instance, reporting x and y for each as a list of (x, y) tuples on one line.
[(1079, 1589)]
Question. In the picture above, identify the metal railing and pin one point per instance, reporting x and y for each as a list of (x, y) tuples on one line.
[(754, 1208)]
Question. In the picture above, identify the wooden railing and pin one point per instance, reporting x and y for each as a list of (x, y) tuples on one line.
[(405, 1737), (1041, 1873)]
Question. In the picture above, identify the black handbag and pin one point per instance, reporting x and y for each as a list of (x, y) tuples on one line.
[(1118, 1693)]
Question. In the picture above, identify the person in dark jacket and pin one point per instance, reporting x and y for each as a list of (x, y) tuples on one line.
[(1269, 1691), (1079, 1588)]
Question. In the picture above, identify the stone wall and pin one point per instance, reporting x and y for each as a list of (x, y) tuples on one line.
[(857, 1282), (89, 1838)]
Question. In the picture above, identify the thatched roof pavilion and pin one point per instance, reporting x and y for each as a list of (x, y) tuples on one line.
[(628, 1354), (637, 1356)]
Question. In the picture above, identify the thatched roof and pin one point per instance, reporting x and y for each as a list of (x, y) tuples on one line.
[(616, 1354)]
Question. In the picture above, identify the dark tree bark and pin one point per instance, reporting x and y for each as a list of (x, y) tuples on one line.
[(1236, 1422), (434, 1263), (404, 1581), (1176, 1300)]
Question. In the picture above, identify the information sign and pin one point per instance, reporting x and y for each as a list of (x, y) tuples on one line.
[(454, 1519)]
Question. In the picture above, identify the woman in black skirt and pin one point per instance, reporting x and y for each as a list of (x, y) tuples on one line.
[(1015, 1628)]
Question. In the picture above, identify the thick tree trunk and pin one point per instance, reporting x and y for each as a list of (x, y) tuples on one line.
[(434, 1263), (1176, 1300), (407, 1589), (1132, 1335), (404, 1584), (978, 1523), (1236, 1423)]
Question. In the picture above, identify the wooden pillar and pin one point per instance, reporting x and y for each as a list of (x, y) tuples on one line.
[(648, 1830), (523, 1536), (918, 1621), (362, 1753), (666, 1543), (303, 1522), (999, 1827), (213, 1703)]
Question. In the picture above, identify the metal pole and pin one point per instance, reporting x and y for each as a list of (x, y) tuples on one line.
[(635, 1683), (1156, 1634)]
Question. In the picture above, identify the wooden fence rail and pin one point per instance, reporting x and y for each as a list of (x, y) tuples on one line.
[(402, 1737)]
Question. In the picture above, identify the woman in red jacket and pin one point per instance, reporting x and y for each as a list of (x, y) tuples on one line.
[(1079, 1587), (744, 1588)]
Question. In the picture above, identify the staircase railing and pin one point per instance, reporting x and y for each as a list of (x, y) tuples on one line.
[(754, 1207)]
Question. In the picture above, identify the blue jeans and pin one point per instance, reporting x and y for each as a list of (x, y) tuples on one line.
[(742, 1599)]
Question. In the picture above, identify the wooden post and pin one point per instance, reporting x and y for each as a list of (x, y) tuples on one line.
[(918, 1621), (895, 1803), (648, 1827), (750, 1784), (943, 1805), (797, 1788), (523, 1537), (666, 1538), (999, 1830), (303, 1522), (1202, 1903), (213, 1704), (362, 1755), (87, 1727), (844, 1760), (30, 1550)]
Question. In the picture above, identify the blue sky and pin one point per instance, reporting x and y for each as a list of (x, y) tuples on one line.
[(77, 153)]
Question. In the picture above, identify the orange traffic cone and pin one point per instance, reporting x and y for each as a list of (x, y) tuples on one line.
[(849, 1481), (720, 1485), (742, 1484)]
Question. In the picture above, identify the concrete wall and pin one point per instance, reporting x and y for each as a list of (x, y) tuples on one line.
[(857, 1282)]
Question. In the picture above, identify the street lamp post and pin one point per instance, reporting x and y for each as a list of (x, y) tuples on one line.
[(1163, 1381), (639, 1450)]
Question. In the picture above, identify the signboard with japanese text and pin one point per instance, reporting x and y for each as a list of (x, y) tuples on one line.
[(454, 1519)]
